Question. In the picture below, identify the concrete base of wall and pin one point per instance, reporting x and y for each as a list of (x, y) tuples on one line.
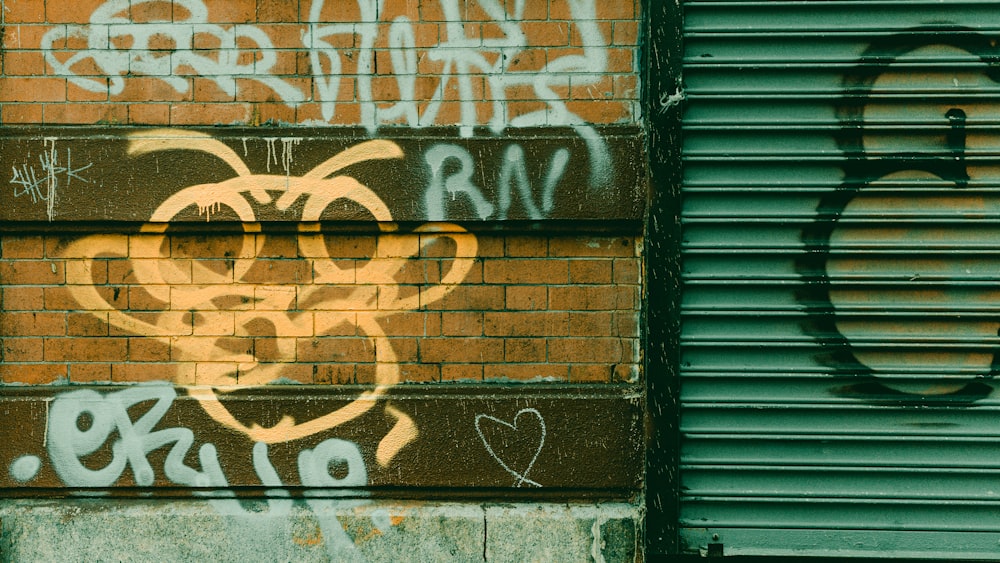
[(315, 529)]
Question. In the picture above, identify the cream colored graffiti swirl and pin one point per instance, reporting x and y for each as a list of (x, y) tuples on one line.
[(241, 195)]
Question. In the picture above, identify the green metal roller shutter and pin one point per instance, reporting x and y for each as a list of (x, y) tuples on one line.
[(841, 278)]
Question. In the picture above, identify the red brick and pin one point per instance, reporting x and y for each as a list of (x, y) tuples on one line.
[(592, 298), (532, 323), (627, 271), (526, 372), (407, 324), (278, 272), (461, 350), (86, 349), (526, 247), (153, 89), (16, 36), (618, 10), (32, 374), (364, 374), (24, 63), (626, 87), (531, 10), (403, 349), (626, 324), (32, 324)]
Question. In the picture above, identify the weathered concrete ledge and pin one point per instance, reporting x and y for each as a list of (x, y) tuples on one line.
[(282, 529)]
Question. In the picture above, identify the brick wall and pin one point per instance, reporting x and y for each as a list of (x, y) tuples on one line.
[(392, 63), (84, 309)]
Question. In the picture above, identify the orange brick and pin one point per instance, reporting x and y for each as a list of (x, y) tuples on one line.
[(580, 34), (278, 272), (462, 324), (21, 247), (524, 350), (86, 349), (22, 349), (32, 89), (515, 271), (530, 10), (215, 246), (25, 298), (23, 63), (86, 272), (526, 246), (591, 324), (108, 243), (143, 372), (626, 373), (209, 114), (153, 89), (24, 11), (16, 36), (470, 298), (626, 87), (627, 270), (89, 373), (32, 374), (619, 10), (419, 373), (625, 33), (626, 324), (78, 11), (462, 372), (527, 297), (277, 11), (526, 372), (583, 246), (175, 323), (149, 349), (590, 350), (364, 374), (21, 113), (85, 114), (408, 324), (141, 299), (591, 373), (202, 348), (275, 113), (600, 111), (531, 323), (590, 271), (585, 88), (32, 272), (231, 11), (335, 374), (207, 90), (404, 349), (335, 349), (546, 33), (149, 114), (461, 350), (592, 298), (87, 324)]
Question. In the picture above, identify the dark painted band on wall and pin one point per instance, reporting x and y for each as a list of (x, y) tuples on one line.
[(270, 174), (160, 439)]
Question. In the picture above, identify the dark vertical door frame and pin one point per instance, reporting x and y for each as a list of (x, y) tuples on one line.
[(662, 99)]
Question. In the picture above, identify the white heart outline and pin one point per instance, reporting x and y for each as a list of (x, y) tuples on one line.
[(521, 477)]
